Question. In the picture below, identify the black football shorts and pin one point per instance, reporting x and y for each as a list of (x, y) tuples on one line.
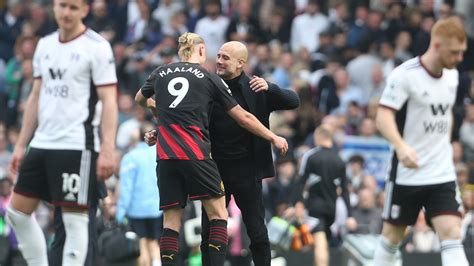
[(62, 177), (403, 203), (179, 180), (149, 228)]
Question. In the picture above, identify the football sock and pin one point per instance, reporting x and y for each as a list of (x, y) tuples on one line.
[(76, 227), (385, 253), (31, 241), (169, 247), (452, 253), (217, 244)]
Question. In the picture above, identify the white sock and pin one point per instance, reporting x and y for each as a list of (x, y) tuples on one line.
[(452, 253), (77, 238), (30, 237), (156, 262), (385, 253)]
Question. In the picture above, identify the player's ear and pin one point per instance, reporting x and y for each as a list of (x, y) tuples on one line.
[(438, 43), (241, 63), (202, 50)]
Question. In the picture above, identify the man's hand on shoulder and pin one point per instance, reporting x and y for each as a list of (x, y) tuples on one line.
[(258, 84)]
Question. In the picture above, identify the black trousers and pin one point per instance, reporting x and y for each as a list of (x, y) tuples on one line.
[(240, 181)]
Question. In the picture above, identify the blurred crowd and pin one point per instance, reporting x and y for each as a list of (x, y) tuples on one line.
[(335, 54)]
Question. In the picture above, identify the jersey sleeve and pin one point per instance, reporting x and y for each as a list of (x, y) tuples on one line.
[(37, 60), (103, 65), (304, 167), (396, 91), (148, 88), (223, 93)]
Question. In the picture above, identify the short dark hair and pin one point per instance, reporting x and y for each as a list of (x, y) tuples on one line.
[(357, 158)]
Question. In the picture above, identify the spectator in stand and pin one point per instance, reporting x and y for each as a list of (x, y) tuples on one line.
[(164, 12), (403, 42), (394, 19), (263, 67), (11, 20), (100, 20), (421, 40), (387, 54), (358, 29), (14, 76), (377, 86), (367, 129), (281, 75), (374, 26), (213, 27), (356, 170), (41, 22), (465, 8), (279, 28), (360, 67), (194, 12), (345, 91), (145, 30), (243, 27), (354, 117), (366, 215), (306, 28), (339, 17)]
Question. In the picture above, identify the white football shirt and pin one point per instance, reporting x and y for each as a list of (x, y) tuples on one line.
[(424, 118), (69, 109)]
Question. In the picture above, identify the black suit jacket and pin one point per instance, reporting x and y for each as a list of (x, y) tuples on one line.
[(260, 104)]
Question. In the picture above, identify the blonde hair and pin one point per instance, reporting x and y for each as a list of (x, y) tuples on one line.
[(186, 43), (448, 28), (324, 131)]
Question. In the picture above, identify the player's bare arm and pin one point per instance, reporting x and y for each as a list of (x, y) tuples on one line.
[(140, 99), (151, 104), (145, 102), (148, 103), (387, 126), (106, 161), (252, 124), (30, 121)]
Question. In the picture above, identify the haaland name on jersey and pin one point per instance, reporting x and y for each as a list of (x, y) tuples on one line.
[(193, 70)]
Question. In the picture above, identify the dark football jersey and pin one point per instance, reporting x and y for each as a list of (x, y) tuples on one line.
[(184, 93)]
